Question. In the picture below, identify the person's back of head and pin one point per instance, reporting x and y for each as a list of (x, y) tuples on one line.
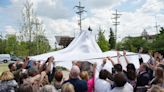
[(48, 88), (131, 75), (6, 76), (119, 80), (58, 76), (27, 87), (75, 71), (33, 71), (118, 67), (67, 87), (131, 66), (159, 73), (84, 75), (155, 88), (103, 74), (131, 71)]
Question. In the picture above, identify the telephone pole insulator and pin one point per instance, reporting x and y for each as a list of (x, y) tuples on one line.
[(80, 12)]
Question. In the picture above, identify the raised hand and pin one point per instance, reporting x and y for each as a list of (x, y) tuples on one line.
[(118, 54), (104, 61), (118, 57), (110, 59), (124, 52), (94, 65)]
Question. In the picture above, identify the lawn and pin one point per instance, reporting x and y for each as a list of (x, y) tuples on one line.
[(3, 67)]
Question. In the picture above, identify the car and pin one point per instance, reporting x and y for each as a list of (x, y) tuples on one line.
[(5, 58), (14, 58)]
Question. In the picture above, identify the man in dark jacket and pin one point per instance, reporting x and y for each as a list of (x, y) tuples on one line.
[(79, 85), (143, 77)]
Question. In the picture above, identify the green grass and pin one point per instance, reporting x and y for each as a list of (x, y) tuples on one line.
[(3, 67)]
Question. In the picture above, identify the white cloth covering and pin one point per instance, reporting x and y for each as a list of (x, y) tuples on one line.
[(85, 48)]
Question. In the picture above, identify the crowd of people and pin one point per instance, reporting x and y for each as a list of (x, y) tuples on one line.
[(36, 76)]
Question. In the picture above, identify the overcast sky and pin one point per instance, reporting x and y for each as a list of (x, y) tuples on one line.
[(59, 16)]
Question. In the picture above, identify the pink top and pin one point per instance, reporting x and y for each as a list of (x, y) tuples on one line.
[(90, 83)]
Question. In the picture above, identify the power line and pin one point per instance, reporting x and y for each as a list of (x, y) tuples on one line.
[(116, 23), (80, 12), (156, 25)]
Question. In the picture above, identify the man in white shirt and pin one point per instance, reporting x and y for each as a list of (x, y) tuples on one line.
[(121, 85), (101, 83)]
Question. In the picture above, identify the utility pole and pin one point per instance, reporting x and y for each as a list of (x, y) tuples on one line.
[(116, 23), (27, 26), (37, 24), (80, 12), (156, 25)]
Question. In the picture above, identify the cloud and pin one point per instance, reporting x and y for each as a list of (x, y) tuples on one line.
[(103, 3), (54, 9), (152, 6), (10, 30), (101, 18), (64, 27), (132, 24)]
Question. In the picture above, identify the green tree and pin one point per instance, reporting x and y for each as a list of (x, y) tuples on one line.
[(112, 40), (1, 46), (40, 44), (158, 43), (133, 43), (22, 49), (11, 45), (102, 42), (161, 31), (120, 46)]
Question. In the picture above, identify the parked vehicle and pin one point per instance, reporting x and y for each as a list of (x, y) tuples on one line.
[(15, 58), (5, 58)]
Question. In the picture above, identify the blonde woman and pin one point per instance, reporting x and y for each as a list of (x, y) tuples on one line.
[(156, 88), (90, 82), (67, 87), (7, 82), (159, 77), (90, 79)]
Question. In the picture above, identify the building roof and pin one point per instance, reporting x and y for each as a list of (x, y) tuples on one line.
[(64, 40)]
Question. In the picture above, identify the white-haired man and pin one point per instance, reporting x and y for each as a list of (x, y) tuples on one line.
[(79, 85)]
